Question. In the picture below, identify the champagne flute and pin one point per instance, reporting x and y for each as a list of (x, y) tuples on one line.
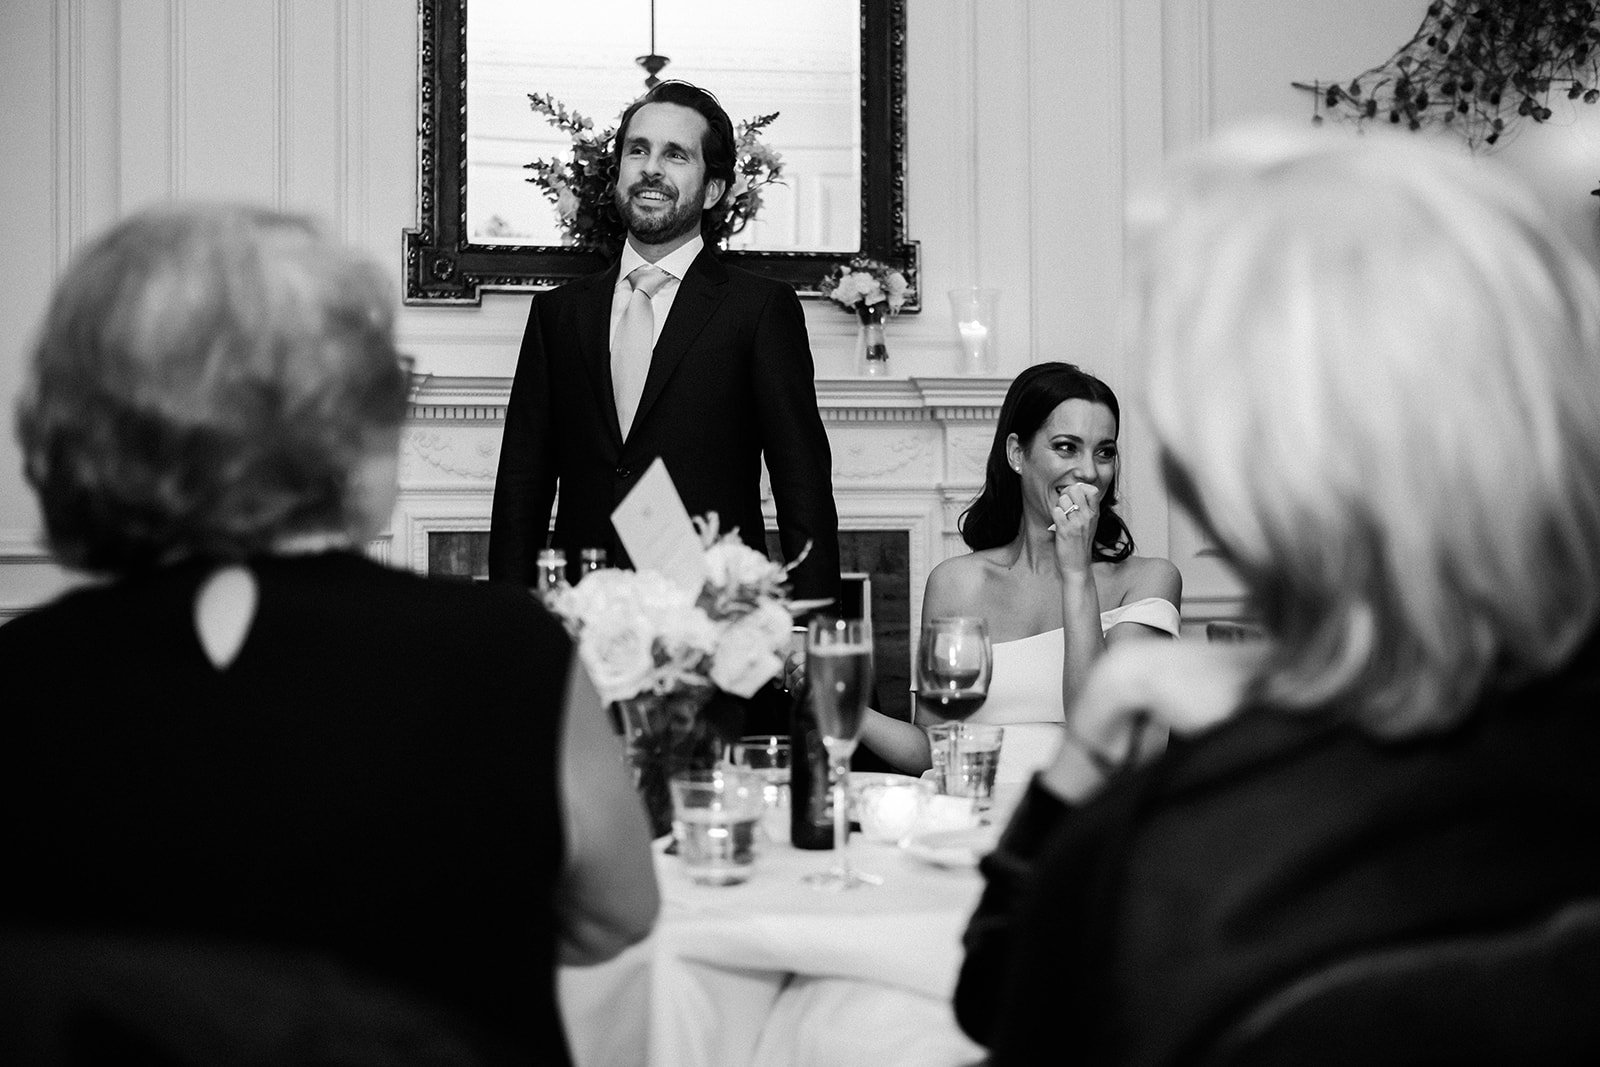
[(839, 673)]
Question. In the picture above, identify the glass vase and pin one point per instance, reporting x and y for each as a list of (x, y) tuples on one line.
[(872, 351), (666, 733)]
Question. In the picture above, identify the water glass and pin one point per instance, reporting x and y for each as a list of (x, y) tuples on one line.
[(939, 750), (965, 758), (768, 756), (714, 819)]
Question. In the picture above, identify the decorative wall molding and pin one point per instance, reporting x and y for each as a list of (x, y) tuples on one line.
[(450, 454), (446, 398)]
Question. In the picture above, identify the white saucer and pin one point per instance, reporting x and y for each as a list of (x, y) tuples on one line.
[(953, 848)]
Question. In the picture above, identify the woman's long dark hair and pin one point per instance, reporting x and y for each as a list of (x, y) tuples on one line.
[(993, 517)]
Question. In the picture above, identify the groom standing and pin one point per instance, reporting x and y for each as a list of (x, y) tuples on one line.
[(669, 353)]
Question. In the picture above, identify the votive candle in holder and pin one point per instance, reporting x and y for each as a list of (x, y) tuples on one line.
[(889, 810), (977, 314)]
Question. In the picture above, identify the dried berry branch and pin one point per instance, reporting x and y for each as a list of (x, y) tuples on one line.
[(1477, 66)]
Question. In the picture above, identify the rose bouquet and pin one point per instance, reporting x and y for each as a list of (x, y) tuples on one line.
[(640, 634), (669, 658), (863, 283), (581, 186)]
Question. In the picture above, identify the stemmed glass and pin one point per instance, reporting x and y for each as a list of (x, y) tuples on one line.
[(954, 661), (839, 675)]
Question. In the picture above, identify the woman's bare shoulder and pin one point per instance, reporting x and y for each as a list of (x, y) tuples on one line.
[(956, 574), (956, 584), (1150, 576)]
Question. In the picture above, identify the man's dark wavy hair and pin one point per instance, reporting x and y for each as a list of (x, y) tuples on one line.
[(718, 146), (993, 517)]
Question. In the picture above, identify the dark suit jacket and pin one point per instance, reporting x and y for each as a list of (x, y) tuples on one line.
[(731, 379)]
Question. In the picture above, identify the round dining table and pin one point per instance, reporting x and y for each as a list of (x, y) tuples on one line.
[(773, 971)]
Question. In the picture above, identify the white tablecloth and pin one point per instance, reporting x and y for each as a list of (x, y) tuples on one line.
[(776, 972)]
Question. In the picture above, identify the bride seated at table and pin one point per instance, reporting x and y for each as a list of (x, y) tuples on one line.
[(1052, 569)]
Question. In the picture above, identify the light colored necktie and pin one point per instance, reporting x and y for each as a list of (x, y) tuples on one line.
[(634, 343)]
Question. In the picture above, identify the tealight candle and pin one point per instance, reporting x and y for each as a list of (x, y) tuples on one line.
[(890, 810), (974, 336)]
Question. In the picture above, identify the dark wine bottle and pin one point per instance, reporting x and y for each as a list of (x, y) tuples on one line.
[(810, 799)]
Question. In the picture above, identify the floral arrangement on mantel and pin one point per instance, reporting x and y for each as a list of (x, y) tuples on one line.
[(865, 282), (581, 186), (873, 290), (1477, 66), (663, 654)]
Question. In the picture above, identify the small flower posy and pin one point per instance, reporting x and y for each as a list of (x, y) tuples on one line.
[(581, 187), (640, 633), (863, 282)]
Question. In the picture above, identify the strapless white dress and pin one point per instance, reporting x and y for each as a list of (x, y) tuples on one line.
[(1025, 688)]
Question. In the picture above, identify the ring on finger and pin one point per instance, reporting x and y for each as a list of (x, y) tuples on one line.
[(1070, 508)]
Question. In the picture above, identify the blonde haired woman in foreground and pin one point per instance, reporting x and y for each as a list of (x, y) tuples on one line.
[(1373, 367)]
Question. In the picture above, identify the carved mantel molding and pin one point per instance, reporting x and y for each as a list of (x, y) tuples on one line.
[(437, 398), (908, 455)]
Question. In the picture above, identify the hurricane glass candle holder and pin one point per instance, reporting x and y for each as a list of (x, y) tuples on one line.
[(976, 316)]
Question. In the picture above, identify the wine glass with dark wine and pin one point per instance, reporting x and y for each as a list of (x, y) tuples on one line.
[(839, 680), (954, 662)]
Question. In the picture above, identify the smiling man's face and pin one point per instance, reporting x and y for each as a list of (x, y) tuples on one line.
[(661, 175)]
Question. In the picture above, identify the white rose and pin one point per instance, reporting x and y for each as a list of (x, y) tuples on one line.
[(774, 622), (734, 563), (593, 594), (744, 659), (660, 599), (617, 646), (690, 631), (607, 590), (897, 290)]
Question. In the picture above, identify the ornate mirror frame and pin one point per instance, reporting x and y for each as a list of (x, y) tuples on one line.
[(443, 267)]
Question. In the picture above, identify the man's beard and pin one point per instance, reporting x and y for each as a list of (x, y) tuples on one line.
[(662, 226)]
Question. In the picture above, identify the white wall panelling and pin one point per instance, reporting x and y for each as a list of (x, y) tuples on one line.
[(1028, 121)]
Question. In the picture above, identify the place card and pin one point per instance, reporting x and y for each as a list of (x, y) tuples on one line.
[(655, 529)]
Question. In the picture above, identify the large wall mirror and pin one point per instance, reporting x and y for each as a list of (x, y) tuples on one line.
[(833, 70)]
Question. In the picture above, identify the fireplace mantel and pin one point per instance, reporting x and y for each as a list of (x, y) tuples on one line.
[(908, 455)]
